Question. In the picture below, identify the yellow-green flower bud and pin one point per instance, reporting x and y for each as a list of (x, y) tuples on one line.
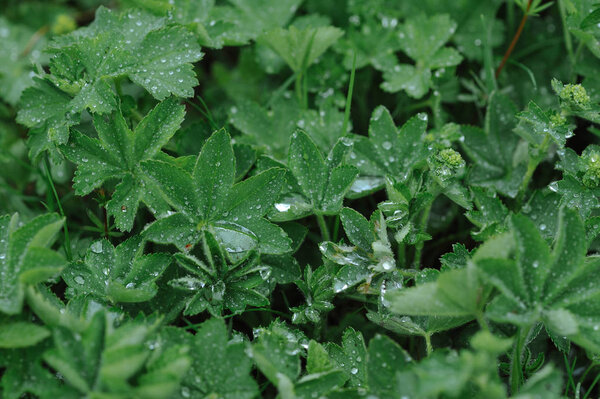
[(575, 94)]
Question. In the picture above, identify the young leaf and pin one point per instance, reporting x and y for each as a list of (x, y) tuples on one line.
[(217, 284), (316, 288)]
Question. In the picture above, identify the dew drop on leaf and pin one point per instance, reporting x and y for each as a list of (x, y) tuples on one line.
[(96, 247)]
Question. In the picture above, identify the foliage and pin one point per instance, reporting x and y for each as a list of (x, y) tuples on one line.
[(299, 199)]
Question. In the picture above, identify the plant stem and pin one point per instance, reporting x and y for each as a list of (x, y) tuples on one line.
[(591, 387), (349, 96), (422, 226), (516, 368), (298, 87), (515, 39), (336, 228), (323, 226), (482, 322), (67, 243), (428, 346), (280, 90), (566, 34)]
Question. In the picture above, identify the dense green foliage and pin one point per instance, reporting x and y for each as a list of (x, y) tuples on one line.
[(299, 199)]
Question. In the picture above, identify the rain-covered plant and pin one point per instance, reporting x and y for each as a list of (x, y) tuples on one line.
[(299, 199)]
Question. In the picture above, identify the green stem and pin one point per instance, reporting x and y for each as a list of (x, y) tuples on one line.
[(349, 96), (482, 322), (573, 77), (298, 87), (323, 226), (280, 90), (67, 243), (428, 346), (136, 114), (436, 109), (516, 368), (401, 255), (422, 226), (591, 387), (568, 42), (336, 228)]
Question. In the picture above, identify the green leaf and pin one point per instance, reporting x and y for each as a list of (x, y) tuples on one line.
[(375, 45), (490, 216), (539, 285), (267, 127), (207, 199), (45, 109), (16, 75), (105, 356), (24, 257), (121, 274), (494, 150), (422, 39), (19, 334), (275, 358), (351, 357), (214, 171), (308, 166), (317, 290), (133, 44), (535, 125), (220, 366), (357, 228), (301, 48), (216, 283), (323, 184), (456, 293), (385, 360), (117, 153), (389, 152), (234, 24), (317, 358)]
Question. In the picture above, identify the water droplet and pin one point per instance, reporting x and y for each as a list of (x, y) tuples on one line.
[(79, 280), (96, 247), (283, 207)]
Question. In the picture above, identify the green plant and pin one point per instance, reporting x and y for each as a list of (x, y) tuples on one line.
[(299, 199)]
